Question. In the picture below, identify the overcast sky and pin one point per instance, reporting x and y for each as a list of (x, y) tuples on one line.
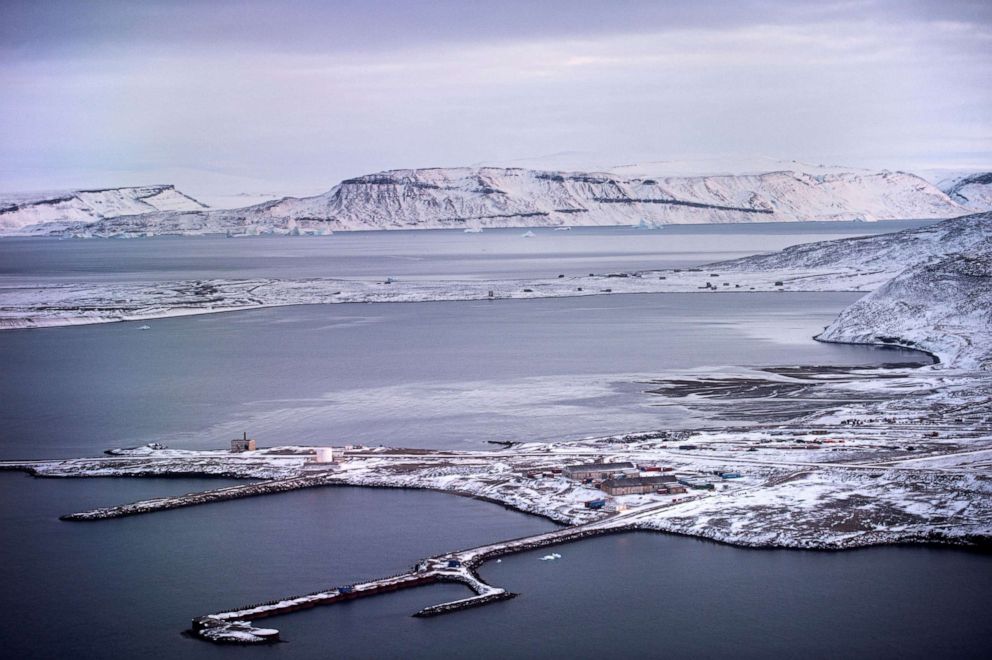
[(290, 97)]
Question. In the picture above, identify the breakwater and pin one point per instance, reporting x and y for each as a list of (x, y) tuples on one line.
[(204, 497), (235, 627)]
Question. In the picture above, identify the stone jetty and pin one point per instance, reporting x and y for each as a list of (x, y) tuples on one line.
[(235, 626)]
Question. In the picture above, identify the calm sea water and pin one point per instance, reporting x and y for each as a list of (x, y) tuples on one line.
[(411, 254), (426, 374), (451, 374), (127, 588)]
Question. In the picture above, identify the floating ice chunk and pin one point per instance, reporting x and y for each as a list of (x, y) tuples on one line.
[(528, 234), (474, 230), (144, 327)]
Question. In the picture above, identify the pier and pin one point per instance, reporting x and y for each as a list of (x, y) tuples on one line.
[(204, 497), (235, 626)]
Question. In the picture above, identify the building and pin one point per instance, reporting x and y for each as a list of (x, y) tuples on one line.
[(323, 455), (599, 470), (696, 483), (637, 485), (239, 445)]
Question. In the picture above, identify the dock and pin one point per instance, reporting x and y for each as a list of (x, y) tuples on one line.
[(267, 487), (235, 626)]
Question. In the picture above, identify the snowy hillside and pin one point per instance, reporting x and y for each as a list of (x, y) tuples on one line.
[(973, 191), (944, 308), (69, 208), (939, 298), (882, 252), (512, 197)]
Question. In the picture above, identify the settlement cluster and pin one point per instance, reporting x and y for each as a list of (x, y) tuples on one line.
[(626, 478)]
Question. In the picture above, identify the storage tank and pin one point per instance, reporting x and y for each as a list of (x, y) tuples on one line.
[(325, 455)]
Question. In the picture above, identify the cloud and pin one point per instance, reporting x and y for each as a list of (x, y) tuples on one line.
[(152, 90)]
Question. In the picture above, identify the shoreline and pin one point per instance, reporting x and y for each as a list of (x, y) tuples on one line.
[(977, 543), (63, 305)]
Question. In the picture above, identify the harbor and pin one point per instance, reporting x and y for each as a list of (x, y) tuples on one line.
[(763, 485), (235, 626)]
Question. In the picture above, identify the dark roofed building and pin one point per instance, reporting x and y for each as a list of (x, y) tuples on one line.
[(245, 443), (637, 485), (598, 470)]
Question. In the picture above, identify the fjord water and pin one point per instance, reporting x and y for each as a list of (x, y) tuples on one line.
[(433, 254), (430, 375), (127, 588), (441, 375)]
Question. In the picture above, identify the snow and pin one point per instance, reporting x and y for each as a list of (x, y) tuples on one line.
[(860, 264), (58, 211), (45, 305), (870, 456), (942, 307), (972, 190), (892, 455), (477, 197), (885, 254)]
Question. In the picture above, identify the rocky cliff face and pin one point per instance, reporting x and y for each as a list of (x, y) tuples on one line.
[(76, 208), (512, 197)]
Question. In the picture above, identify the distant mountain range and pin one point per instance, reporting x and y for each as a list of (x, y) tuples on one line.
[(482, 197), (56, 211)]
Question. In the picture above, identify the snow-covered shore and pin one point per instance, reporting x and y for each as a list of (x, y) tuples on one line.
[(891, 456), (859, 264), (943, 308), (46, 305), (939, 305)]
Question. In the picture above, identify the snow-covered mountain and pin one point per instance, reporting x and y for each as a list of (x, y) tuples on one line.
[(973, 191), (882, 252), (65, 209), (943, 307), (514, 197), (939, 297)]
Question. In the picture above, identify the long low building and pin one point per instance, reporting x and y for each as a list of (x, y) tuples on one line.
[(599, 470), (637, 485)]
